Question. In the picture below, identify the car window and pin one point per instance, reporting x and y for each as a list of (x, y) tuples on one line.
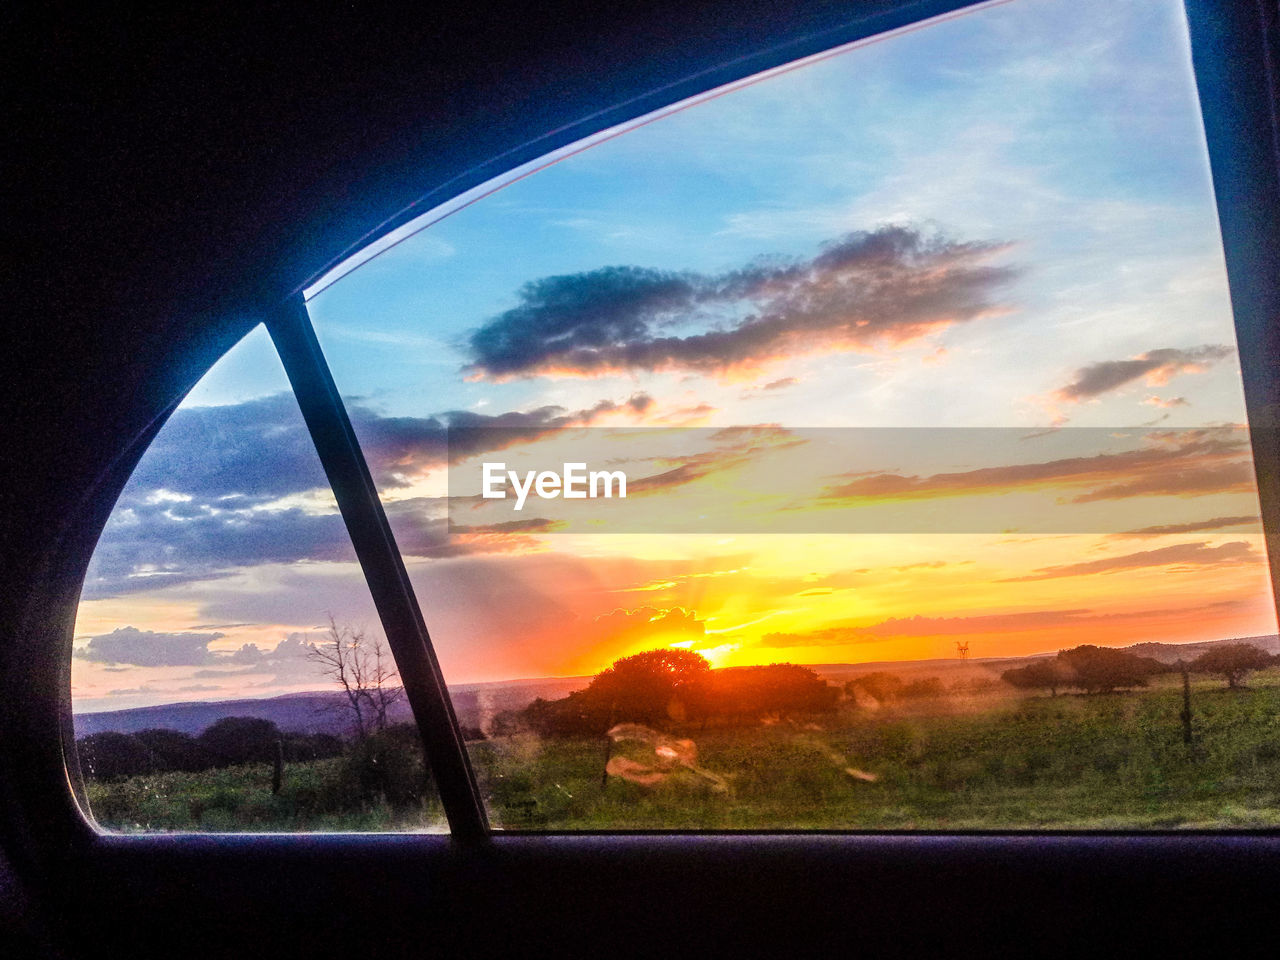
[(917, 361), (229, 672), (860, 446)]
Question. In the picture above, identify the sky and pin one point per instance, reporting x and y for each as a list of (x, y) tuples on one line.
[(964, 278)]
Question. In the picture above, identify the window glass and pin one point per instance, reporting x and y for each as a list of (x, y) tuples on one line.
[(918, 361), (228, 669)]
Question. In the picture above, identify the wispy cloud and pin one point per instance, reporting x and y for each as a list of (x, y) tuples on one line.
[(1185, 463), (1198, 554)]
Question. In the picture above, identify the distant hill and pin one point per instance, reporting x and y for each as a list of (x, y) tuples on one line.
[(1173, 652), (476, 704), (323, 711)]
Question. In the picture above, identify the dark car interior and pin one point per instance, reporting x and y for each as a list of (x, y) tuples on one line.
[(174, 175)]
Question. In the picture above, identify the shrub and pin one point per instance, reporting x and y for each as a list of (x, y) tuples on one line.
[(885, 687), (109, 756), (1096, 669), (234, 740), (1232, 661)]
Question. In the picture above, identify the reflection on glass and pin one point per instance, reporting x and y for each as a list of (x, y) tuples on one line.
[(227, 671), (1001, 222)]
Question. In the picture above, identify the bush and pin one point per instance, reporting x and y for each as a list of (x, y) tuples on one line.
[(234, 740), (751, 692), (386, 766), (1232, 661), (1096, 669), (110, 756), (927, 688), (885, 687), (1041, 675), (174, 750)]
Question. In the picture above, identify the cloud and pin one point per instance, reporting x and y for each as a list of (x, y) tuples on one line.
[(206, 498), (1183, 554), (1157, 366), (1184, 463), (1166, 404), (1217, 523), (258, 450), (145, 648), (887, 286), (146, 547), (246, 454), (1021, 621), (399, 447), (734, 447), (780, 384), (921, 626)]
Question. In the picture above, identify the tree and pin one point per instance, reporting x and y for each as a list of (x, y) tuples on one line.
[(363, 667), (174, 750), (234, 740), (1101, 670), (926, 688), (885, 687), (1231, 661), (649, 687), (1046, 674), (749, 692), (111, 755)]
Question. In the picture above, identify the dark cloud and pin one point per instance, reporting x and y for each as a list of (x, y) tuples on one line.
[(889, 285), (254, 451), (147, 546), (198, 505), (145, 648), (1198, 554), (243, 455), (399, 447), (1158, 366)]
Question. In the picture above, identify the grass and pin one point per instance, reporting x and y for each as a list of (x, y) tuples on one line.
[(990, 762), (239, 799), (1111, 761)]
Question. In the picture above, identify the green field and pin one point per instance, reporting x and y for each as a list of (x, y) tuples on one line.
[(989, 761)]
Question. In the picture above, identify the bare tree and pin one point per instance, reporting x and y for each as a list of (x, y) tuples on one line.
[(363, 667)]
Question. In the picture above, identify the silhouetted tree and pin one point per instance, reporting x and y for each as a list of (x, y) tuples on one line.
[(387, 765), (926, 688), (750, 692), (174, 750), (649, 687), (1042, 675), (1096, 669), (110, 755), (1231, 661), (365, 670), (233, 740), (311, 746), (885, 687)]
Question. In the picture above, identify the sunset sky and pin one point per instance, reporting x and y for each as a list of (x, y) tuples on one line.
[(999, 226)]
